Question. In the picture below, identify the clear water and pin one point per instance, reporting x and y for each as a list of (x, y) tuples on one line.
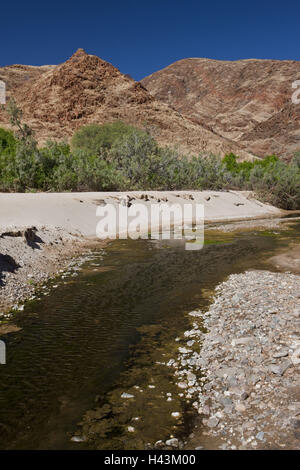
[(104, 332)]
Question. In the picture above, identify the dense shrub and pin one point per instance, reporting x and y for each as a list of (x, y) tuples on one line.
[(273, 180), (8, 142), (55, 168), (78, 171), (120, 157), (96, 139)]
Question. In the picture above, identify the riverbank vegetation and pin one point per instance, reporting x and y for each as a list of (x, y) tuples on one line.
[(120, 157)]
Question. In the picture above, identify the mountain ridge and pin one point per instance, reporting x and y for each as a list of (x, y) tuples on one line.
[(234, 98), (57, 100)]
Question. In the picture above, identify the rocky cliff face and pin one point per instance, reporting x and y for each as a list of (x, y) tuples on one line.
[(248, 101), (57, 100)]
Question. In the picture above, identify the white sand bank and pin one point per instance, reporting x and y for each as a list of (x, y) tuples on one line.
[(76, 212)]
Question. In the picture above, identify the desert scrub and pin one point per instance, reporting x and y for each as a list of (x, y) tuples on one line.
[(116, 157)]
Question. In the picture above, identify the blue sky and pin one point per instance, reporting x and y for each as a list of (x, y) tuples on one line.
[(140, 37)]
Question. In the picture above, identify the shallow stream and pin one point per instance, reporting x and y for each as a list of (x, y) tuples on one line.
[(108, 328)]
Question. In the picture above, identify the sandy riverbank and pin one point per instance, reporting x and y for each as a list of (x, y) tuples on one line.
[(76, 212), (41, 232), (28, 261)]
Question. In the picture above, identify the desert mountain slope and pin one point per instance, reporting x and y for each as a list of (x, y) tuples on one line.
[(238, 100), (86, 89), (16, 75), (280, 134)]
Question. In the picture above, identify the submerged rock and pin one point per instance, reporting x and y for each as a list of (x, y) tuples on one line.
[(127, 395), (172, 442), (78, 439)]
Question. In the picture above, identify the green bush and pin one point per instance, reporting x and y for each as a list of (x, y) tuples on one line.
[(121, 157), (8, 143), (96, 139), (78, 171), (273, 180)]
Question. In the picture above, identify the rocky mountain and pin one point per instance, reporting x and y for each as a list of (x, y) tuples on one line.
[(247, 101), (57, 100), (280, 134), (16, 75)]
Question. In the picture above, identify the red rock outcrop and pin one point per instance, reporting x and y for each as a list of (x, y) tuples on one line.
[(248, 101), (16, 75), (58, 100)]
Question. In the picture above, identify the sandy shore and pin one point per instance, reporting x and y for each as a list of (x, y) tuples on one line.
[(76, 212), (41, 232), (288, 259)]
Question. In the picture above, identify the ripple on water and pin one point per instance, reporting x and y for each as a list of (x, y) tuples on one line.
[(103, 333)]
